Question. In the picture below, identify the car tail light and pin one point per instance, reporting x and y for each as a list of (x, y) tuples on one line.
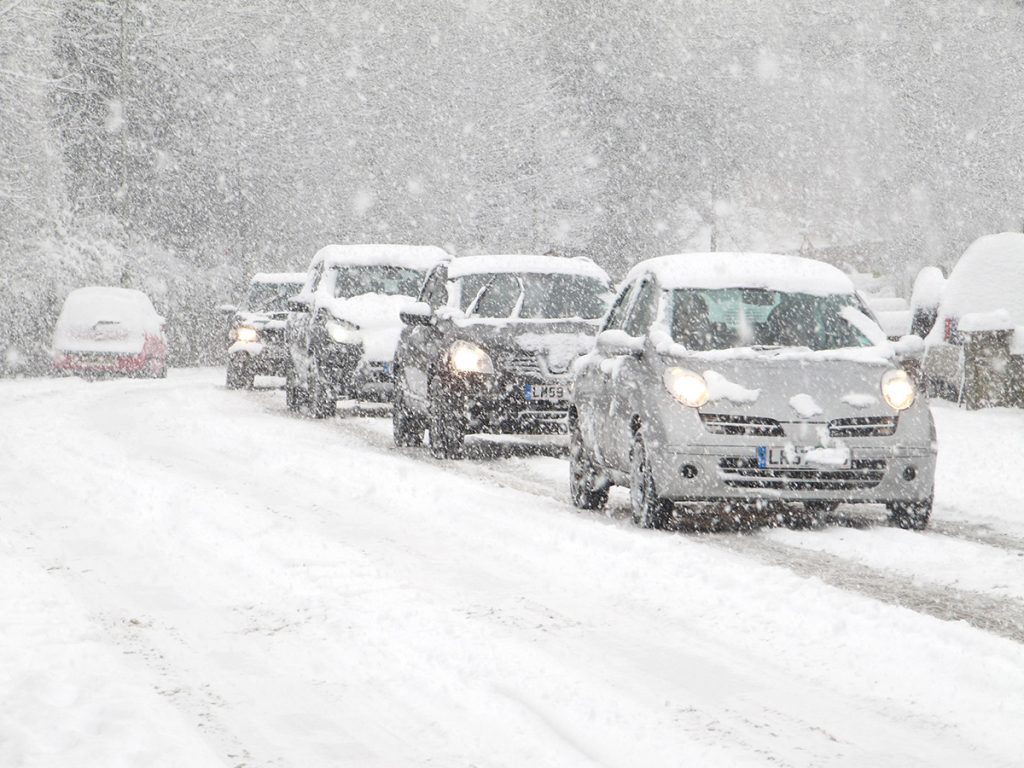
[(947, 329)]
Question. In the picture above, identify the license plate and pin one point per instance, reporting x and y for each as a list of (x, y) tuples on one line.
[(775, 457), (544, 392)]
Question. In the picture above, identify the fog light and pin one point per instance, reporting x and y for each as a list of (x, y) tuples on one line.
[(688, 471), (909, 473)]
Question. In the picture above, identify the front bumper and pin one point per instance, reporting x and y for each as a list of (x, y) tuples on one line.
[(494, 407), (733, 472), (101, 363), (263, 359)]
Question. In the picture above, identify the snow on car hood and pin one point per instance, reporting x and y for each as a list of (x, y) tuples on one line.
[(378, 318), (797, 389), (558, 349)]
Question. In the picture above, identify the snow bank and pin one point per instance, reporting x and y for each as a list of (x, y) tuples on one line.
[(472, 265), (770, 271)]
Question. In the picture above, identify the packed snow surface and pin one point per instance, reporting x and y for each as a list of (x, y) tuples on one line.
[(191, 576), (770, 271), (525, 263)]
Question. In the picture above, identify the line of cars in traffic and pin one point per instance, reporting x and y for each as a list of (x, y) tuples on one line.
[(702, 380)]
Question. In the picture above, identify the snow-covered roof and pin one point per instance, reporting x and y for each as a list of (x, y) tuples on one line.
[(772, 271), (420, 257), (279, 277), (988, 277), (523, 263), (928, 287), (103, 299)]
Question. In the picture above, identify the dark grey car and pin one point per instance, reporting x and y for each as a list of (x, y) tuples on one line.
[(747, 378), (489, 346)]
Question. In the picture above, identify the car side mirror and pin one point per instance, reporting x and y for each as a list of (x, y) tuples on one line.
[(227, 309), (419, 313), (617, 343), (295, 304), (909, 347)]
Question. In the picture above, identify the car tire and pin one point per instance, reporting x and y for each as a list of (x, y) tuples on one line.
[(649, 509), (407, 427), (447, 431), (322, 399), (293, 395), (239, 374), (911, 516), (585, 491)]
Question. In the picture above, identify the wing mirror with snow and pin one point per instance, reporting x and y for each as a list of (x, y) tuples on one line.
[(617, 343), (418, 313), (227, 309), (909, 347)]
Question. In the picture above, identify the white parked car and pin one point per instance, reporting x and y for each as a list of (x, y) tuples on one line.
[(113, 331), (984, 292)]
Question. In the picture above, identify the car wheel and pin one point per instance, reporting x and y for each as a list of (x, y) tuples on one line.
[(407, 427), (293, 396), (909, 516), (239, 375), (649, 509), (323, 401), (584, 488), (447, 431)]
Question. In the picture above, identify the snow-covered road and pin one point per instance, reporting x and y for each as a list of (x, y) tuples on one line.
[(194, 577)]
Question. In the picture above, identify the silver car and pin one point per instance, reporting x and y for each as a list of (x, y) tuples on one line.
[(748, 379)]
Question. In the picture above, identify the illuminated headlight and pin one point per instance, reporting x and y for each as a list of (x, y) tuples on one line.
[(687, 387), (467, 357), (245, 333), (898, 389), (342, 332)]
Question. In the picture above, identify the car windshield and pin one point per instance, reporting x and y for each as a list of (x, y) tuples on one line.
[(377, 278), (535, 296), (715, 319), (270, 297)]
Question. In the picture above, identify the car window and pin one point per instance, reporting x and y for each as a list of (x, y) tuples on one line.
[(382, 279), (314, 281), (642, 313), (727, 318), (435, 289), (500, 298), (617, 316)]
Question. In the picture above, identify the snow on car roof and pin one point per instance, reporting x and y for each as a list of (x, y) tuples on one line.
[(409, 256), (772, 271), (525, 262), (988, 277), (279, 277)]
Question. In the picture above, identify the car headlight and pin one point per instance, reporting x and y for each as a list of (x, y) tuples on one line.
[(898, 389), (341, 332), (245, 333), (467, 357), (687, 387)]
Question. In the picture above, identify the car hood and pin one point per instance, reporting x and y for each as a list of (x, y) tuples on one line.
[(554, 344), (378, 318), (794, 389)]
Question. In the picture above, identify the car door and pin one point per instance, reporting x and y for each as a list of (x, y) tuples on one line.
[(419, 345), (595, 386), (299, 323), (623, 377)]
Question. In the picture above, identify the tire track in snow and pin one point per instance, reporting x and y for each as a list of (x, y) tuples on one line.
[(994, 614)]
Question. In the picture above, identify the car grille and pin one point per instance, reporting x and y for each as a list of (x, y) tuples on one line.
[(525, 364), (745, 473), (863, 426), (727, 424)]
